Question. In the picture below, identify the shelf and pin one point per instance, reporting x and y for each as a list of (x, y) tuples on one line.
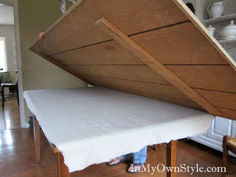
[(232, 41), (219, 19)]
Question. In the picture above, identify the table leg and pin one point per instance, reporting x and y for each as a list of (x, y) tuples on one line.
[(63, 171), (3, 98), (37, 139), (171, 150), (225, 154), (17, 95)]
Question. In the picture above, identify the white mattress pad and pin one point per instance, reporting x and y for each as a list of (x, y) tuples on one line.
[(94, 125)]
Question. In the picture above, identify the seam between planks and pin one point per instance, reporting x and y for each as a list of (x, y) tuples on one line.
[(131, 35)]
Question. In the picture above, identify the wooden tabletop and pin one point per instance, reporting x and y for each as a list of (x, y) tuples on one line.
[(153, 48)]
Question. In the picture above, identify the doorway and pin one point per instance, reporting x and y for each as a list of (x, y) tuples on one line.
[(9, 110)]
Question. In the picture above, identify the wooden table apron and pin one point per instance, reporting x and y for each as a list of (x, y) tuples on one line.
[(62, 169)]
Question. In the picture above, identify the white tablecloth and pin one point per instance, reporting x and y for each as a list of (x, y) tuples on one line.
[(94, 125)]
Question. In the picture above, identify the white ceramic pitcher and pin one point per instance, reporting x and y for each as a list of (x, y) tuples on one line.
[(216, 9)]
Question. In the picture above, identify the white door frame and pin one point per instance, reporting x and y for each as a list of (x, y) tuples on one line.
[(14, 4)]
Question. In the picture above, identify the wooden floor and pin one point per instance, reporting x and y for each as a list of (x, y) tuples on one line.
[(17, 159), (17, 154), (9, 118)]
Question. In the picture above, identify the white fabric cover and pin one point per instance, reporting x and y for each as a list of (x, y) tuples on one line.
[(94, 125)]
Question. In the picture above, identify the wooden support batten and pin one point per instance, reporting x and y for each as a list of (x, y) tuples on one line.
[(110, 29)]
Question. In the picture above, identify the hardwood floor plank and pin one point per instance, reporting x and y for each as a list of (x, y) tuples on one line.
[(16, 164), (10, 117)]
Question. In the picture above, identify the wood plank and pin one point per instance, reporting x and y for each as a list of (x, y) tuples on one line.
[(212, 77), (221, 99), (228, 113), (77, 28), (48, 58), (160, 43), (180, 44), (127, 72), (157, 91), (203, 30), (110, 29), (165, 98), (109, 53)]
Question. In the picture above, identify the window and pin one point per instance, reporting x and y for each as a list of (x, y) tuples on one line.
[(3, 56)]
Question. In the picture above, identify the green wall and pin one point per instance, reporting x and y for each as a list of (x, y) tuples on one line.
[(36, 16)]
